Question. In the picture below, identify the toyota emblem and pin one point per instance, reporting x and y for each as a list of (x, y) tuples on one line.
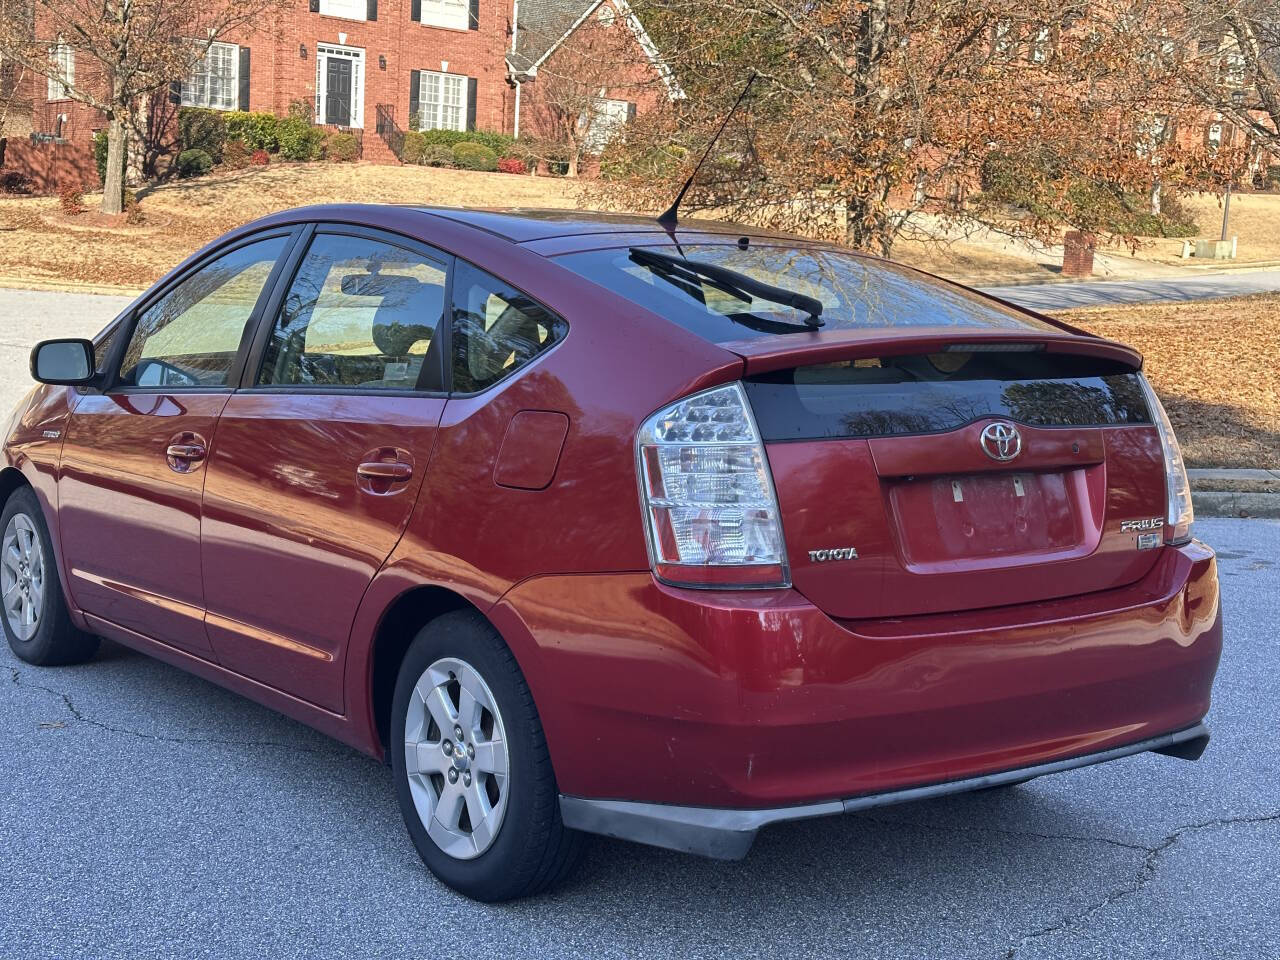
[(1001, 441)]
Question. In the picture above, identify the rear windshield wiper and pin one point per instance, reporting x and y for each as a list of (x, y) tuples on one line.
[(731, 282)]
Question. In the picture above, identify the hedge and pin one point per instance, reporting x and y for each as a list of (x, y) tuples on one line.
[(299, 140), (499, 143), (258, 131), (202, 129), (470, 155)]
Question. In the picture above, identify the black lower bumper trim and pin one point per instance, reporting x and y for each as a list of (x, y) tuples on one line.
[(728, 834)]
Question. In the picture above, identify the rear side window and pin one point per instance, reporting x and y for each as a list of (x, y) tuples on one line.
[(191, 335), (359, 314), (892, 396), (855, 292), (496, 329)]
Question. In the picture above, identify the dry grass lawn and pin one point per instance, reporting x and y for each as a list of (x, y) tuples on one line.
[(1255, 220), (36, 244), (1216, 366)]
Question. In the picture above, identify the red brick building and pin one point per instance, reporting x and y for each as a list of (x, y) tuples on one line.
[(359, 64)]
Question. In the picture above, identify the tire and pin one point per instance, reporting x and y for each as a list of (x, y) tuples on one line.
[(517, 846), (33, 611)]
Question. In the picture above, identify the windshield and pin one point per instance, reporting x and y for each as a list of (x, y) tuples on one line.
[(855, 292)]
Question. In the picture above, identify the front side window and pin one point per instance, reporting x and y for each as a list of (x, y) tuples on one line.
[(359, 314), (496, 330), (214, 80), (63, 59), (191, 335), (442, 101)]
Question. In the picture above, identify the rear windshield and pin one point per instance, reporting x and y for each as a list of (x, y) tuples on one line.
[(891, 396), (855, 292)]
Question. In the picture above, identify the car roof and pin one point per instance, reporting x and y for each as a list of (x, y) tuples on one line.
[(523, 225)]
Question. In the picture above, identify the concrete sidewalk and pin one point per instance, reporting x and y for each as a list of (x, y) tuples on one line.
[(1048, 297)]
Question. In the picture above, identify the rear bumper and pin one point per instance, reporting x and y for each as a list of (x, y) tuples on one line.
[(728, 834), (757, 701)]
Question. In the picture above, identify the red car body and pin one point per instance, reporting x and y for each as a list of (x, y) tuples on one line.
[(272, 569)]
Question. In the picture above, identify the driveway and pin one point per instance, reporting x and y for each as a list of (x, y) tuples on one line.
[(1048, 297), (147, 813)]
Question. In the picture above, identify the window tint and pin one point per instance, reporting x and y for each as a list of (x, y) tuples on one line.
[(360, 313), (190, 337), (888, 396), (496, 330)]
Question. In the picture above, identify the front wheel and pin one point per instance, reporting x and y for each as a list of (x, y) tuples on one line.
[(36, 621), (472, 771)]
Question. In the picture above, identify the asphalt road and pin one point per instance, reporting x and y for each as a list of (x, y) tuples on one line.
[(146, 813), (1048, 297)]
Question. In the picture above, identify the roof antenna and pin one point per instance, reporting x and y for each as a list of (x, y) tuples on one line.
[(668, 219)]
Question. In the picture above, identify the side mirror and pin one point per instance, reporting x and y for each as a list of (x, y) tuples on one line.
[(64, 362)]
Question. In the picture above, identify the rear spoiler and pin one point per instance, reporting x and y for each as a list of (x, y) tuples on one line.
[(765, 354)]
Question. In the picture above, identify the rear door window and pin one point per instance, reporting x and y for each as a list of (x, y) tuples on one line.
[(360, 314)]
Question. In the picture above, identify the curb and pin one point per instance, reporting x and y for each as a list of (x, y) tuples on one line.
[(1209, 503)]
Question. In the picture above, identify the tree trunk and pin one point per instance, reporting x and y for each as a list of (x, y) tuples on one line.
[(573, 159), (113, 188), (1155, 197), (869, 223)]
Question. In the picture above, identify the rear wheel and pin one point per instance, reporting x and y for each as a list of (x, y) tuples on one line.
[(36, 621), (472, 771)]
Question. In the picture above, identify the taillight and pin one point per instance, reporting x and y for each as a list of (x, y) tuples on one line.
[(710, 511), (1179, 514)]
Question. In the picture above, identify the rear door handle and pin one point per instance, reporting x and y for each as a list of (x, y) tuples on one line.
[(396, 472), (186, 451)]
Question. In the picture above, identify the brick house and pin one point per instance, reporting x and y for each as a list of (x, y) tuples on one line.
[(359, 64), (543, 37)]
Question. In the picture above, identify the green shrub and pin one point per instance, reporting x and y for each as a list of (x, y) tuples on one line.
[(438, 155), (342, 147), (475, 156), (257, 130), (499, 143), (413, 148), (201, 129), (194, 163), (299, 140)]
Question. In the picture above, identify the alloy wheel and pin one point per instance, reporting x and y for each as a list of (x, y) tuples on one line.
[(455, 751), (22, 576)]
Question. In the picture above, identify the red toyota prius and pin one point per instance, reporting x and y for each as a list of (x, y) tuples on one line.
[(589, 524)]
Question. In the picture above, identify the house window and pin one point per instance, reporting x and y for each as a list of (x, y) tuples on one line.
[(453, 14), (215, 79), (442, 101), (63, 59), (608, 117), (1040, 46), (1235, 69), (347, 9)]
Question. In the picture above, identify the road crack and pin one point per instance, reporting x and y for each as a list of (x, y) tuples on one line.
[(79, 717), (1146, 873)]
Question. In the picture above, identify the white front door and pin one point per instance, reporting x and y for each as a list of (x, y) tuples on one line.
[(340, 85)]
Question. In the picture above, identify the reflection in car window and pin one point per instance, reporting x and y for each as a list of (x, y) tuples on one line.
[(496, 330), (190, 336), (855, 292), (360, 313)]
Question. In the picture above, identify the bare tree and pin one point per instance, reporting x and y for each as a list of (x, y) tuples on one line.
[(870, 112), (568, 99), (134, 49), (1226, 55)]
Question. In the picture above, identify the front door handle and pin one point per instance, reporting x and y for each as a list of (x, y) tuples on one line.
[(393, 471)]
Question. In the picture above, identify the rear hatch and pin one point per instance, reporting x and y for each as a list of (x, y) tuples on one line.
[(929, 474)]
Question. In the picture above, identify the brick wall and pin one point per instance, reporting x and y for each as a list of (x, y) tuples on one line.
[(50, 166)]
